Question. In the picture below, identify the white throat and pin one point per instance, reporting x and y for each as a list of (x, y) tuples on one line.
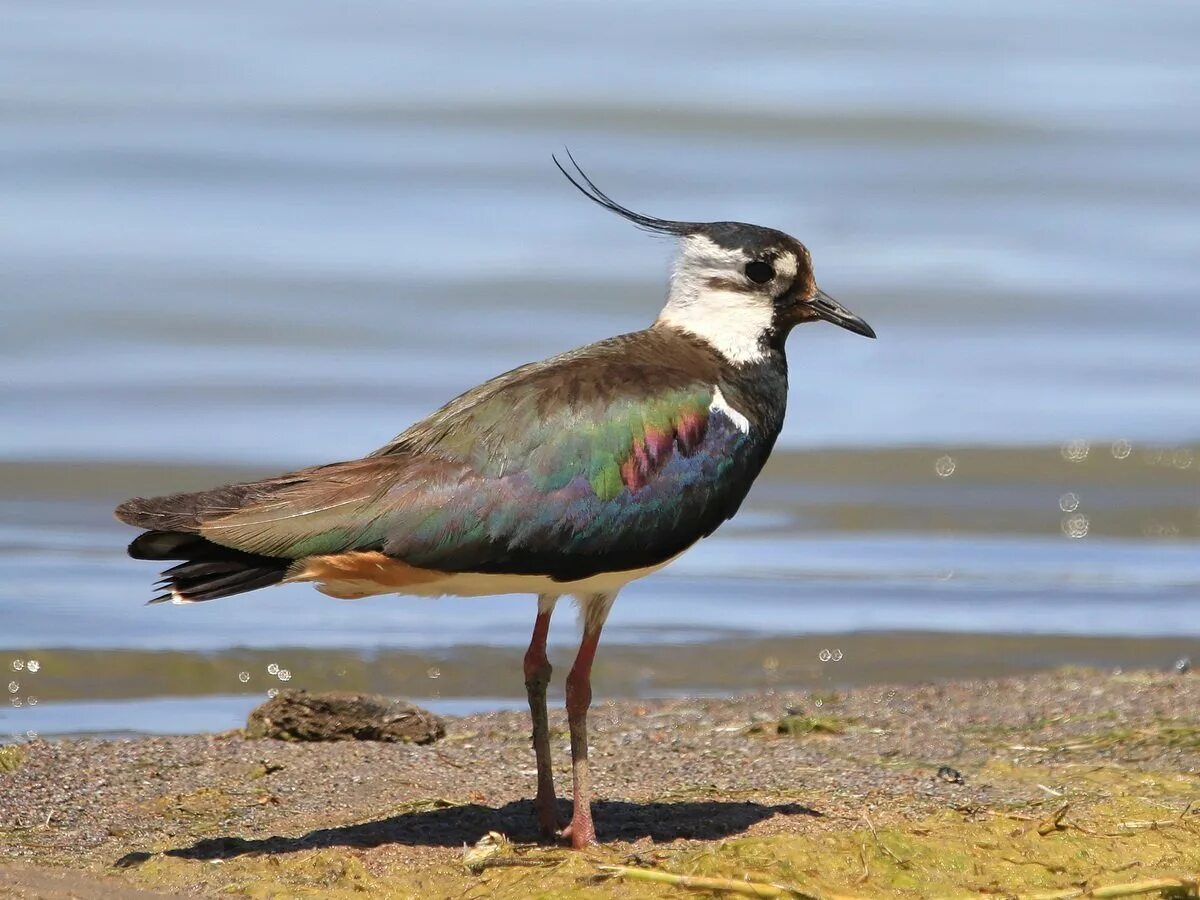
[(732, 321)]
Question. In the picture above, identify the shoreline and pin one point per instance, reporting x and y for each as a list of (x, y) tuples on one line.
[(87, 693), (685, 786)]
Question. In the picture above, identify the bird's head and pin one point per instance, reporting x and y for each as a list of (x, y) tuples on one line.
[(741, 288)]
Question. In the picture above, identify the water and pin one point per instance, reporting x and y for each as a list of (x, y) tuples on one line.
[(237, 239)]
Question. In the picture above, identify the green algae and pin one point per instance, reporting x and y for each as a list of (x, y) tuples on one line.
[(1044, 811), (200, 809), (799, 725), (11, 757), (957, 854), (1112, 825), (263, 768)]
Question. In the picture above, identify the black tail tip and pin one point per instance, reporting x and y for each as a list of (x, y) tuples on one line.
[(165, 545), (207, 570)]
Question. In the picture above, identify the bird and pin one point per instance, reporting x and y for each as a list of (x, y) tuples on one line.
[(573, 476)]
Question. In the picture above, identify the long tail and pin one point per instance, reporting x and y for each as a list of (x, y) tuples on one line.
[(206, 570)]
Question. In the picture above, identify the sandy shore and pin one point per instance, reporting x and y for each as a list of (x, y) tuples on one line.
[(854, 801)]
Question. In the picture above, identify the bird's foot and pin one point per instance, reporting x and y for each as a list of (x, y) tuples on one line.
[(545, 810), (549, 828), (581, 835)]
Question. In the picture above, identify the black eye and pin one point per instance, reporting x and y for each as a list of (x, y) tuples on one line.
[(759, 272)]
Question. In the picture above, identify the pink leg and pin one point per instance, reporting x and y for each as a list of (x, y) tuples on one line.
[(537, 677), (594, 609)]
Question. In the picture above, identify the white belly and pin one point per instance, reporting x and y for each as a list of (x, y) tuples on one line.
[(373, 574)]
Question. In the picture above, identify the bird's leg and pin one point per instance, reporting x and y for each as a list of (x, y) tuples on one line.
[(537, 677), (593, 610)]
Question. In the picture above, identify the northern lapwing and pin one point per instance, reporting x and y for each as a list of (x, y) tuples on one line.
[(572, 476)]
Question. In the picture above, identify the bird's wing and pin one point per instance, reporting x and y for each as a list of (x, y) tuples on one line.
[(564, 471)]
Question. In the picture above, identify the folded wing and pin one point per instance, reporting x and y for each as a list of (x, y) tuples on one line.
[(545, 476)]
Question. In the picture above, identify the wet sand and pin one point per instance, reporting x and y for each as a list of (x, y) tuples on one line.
[(855, 801)]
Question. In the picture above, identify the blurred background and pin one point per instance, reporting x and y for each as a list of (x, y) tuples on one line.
[(241, 237)]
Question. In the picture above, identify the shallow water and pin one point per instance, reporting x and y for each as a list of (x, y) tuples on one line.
[(847, 567), (237, 239)]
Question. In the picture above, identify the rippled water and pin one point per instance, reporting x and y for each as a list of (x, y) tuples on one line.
[(236, 238)]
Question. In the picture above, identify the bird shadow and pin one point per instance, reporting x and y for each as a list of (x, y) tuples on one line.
[(457, 825)]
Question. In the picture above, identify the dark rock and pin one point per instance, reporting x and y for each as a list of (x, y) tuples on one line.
[(342, 716), (796, 725), (132, 859), (950, 774)]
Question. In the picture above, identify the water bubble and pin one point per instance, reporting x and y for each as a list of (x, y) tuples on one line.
[(1075, 526), (18, 665), (243, 677), (1068, 502), (33, 665), (433, 672), (14, 686), (818, 702), (32, 701), (837, 655), (284, 675), (32, 735), (273, 669), (1121, 449), (824, 656), (945, 466), (15, 701), (1182, 459), (272, 693), (1075, 451)]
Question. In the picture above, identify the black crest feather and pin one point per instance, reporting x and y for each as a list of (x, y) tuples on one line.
[(588, 188)]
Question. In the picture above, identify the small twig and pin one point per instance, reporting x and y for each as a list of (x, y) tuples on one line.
[(1132, 864), (515, 862), (1138, 824), (866, 873), (902, 863), (1055, 822), (701, 883), (21, 825), (1018, 817), (1183, 887), (1049, 867), (448, 761)]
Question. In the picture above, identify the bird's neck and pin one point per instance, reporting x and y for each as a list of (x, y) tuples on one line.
[(734, 324), (759, 391), (756, 389)]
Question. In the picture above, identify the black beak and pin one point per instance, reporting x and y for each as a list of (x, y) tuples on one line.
[(831, 311)]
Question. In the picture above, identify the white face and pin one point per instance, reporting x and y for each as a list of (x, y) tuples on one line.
[(726, 296)]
